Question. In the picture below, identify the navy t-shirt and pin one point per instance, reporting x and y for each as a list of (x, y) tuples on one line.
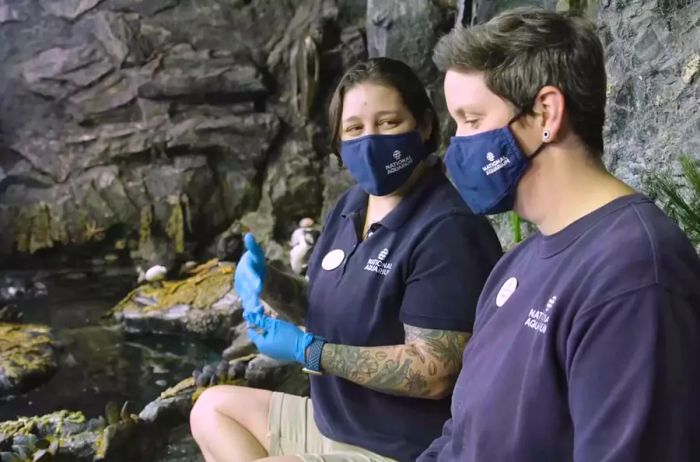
[(423, 265), (586, 348)]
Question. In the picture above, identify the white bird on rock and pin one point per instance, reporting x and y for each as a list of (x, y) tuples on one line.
[(153, 274)]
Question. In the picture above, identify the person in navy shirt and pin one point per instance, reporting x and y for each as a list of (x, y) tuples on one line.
[(393, 285), (586, 345)]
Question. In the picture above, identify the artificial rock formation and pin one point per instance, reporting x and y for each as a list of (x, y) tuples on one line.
[(27, 356), (110, 107), (203, 304)]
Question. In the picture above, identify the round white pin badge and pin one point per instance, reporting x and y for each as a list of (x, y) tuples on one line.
[(506, 291), (333, 259)]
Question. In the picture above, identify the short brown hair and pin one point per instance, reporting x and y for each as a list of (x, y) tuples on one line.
[(524, 49), (394, 74)]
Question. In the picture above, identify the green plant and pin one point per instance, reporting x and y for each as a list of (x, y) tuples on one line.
[(515, 224), (680, 198)]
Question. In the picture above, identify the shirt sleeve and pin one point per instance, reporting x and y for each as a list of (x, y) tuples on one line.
[(631, 366), (447, 272), (436, 447)]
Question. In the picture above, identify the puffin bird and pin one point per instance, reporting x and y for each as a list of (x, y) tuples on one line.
[(302, 241), (154, 274)]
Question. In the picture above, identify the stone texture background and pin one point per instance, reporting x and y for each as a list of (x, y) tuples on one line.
[(144, 129)]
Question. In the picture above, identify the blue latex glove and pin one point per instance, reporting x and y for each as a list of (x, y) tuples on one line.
[(278, 339), (250, 275)]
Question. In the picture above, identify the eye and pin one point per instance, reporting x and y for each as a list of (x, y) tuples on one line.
[(388, 123), (471, 122), (353, 129)]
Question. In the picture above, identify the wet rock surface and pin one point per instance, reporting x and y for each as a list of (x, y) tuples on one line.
[(203, 304), (67, 434), (28, 356), (101, 366)]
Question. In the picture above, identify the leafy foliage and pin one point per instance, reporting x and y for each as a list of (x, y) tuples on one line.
[(680, 197), (515, 224)]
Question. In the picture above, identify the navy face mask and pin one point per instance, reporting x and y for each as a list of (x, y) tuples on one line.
[(381, 164), (487, 167)]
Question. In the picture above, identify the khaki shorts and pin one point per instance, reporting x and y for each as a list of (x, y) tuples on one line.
[(293, 431)]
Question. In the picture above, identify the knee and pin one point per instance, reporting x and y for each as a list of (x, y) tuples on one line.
[(205, 410)]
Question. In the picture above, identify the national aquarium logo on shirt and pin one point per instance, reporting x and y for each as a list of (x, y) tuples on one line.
[(494, 164), (539, 319), (378, 265), (399, 163)]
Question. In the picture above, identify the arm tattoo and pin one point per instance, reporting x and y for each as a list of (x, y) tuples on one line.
[(425, 366), (445, 346), (286, 293)]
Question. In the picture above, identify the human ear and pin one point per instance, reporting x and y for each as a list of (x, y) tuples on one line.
[(550, 105)]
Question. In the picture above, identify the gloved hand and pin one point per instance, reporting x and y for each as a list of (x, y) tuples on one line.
[(250, 275), (278, 339)]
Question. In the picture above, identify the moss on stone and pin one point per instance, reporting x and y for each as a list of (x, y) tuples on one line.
[(41, 228), (23, 230), (178, 388), (145, 226), (185, 201), (34, 228), (207, 285), (25, 349), (176, 224), (32, 425), (57, 226), (113, 437), (100, 446)]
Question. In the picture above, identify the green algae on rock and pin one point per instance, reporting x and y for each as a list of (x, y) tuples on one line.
[(203, 304), (27, 356), (70, 436), (41, 437)]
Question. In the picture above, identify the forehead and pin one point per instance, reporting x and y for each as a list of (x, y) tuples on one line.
[(467, 91), (367, 98)]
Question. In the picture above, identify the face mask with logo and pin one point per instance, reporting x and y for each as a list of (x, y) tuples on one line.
[(487, 167), (381, 164)]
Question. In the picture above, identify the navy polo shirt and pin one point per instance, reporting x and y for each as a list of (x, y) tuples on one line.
[(586, 347), (423, 265)]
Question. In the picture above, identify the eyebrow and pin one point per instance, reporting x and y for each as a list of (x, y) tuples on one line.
[(379, 114), (467, 110), (385, 113)]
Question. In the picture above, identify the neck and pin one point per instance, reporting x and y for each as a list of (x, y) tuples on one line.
[(563, 186), (380, 206)]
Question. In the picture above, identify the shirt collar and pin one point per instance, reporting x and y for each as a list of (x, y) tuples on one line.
[(555, 243), (356, 203)]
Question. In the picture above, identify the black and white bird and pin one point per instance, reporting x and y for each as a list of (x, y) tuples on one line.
[(303, 240)]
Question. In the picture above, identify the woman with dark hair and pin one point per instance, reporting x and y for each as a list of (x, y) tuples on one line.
[(393, 283)]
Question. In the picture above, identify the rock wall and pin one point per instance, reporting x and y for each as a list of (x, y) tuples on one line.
[(653, 62), (144, 129)]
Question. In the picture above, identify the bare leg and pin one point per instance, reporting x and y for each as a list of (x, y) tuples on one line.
[(230, 424), (280, 459)]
